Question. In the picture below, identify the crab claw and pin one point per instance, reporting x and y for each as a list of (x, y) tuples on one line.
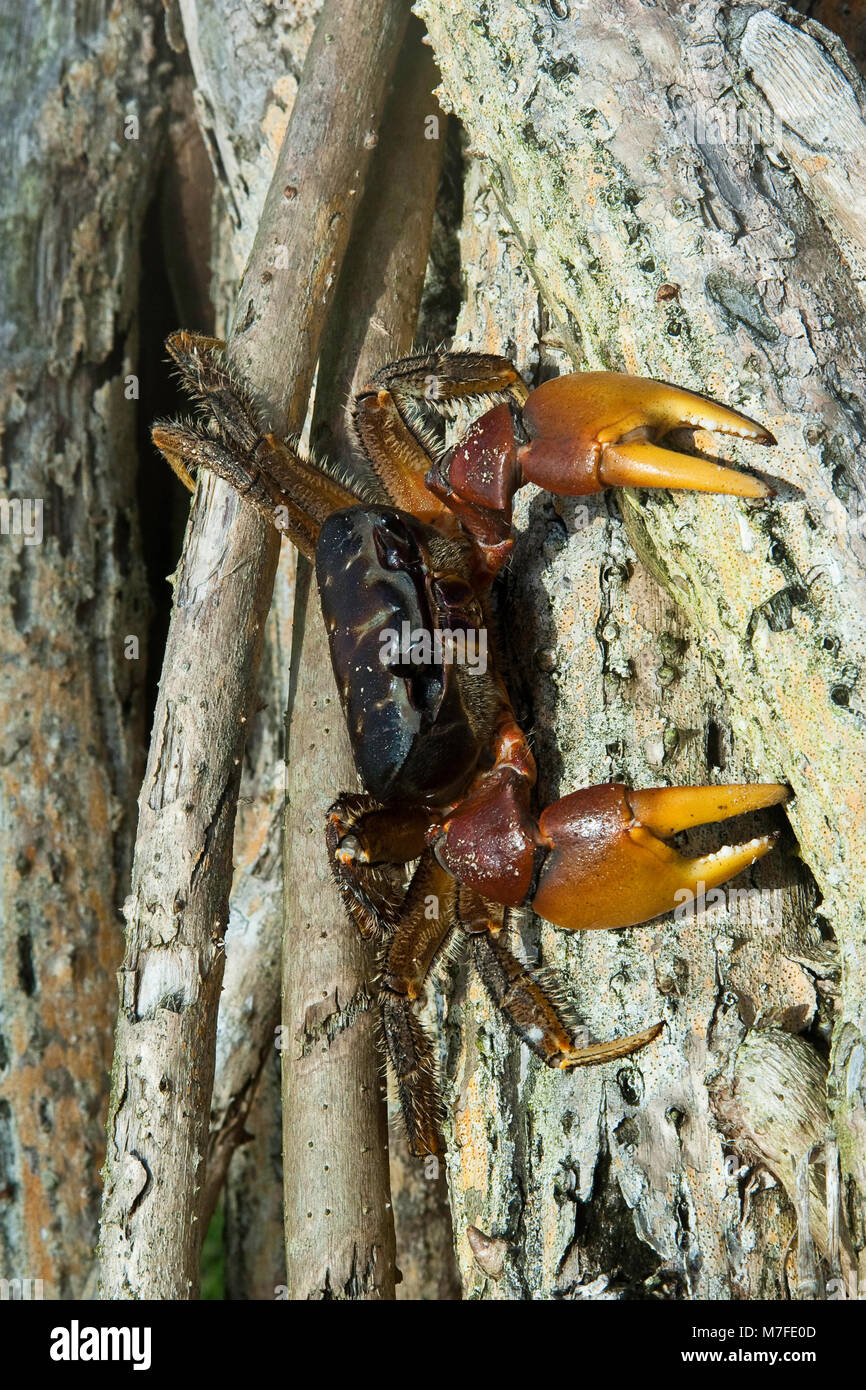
[(607, 865), (595, 430)]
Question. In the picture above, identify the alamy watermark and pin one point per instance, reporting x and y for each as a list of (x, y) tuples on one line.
[(21, 1290), (728, 125), (443, 647), (22, 516), (720, 901)]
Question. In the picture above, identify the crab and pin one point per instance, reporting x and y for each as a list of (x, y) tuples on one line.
[(444, 840)]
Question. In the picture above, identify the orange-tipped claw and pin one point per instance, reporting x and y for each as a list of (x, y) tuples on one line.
[(599, 429), (665, 810), (647, 465), (607, 866)]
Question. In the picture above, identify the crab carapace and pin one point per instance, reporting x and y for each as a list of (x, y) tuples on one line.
[(405, 566)]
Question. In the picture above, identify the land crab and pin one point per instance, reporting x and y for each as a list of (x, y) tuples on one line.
[(405, 564)]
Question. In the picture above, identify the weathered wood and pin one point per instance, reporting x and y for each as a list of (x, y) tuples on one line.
[(177, 912), (80, 131), (664, 247), (247, 60), (255, 1259), (255, 106), (339, 1224), (250, 997)]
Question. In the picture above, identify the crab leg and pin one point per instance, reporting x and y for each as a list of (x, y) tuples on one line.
[(419, 936), (388, 423), (529, 1006), (231, 440), (607, 865)]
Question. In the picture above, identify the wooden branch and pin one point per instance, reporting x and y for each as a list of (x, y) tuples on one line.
[(80, 139), (249, 1004), (339, 1223), (247, 61), (253, 1242), (170, 981), (661, 249), (252, 116)]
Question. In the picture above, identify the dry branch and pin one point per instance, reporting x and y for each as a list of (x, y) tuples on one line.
[(170, 981), (339, 1225), (253, 107)]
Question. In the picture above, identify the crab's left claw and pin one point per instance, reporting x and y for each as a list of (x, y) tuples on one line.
[(608, 865), (595, 430)]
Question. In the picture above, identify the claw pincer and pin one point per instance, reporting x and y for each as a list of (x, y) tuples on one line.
[(599, 857), (608, 865), (583, 433)]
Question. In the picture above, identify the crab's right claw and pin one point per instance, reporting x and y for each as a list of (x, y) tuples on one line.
[(608, 864), (594, 430)]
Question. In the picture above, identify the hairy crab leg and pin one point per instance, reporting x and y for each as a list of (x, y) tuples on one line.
[(388, 420), (418, 938), (230, 439), (529, 1004)]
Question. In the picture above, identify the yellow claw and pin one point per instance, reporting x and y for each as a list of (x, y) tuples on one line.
[(646, 465), (593, 430), (597, 1053), (665, 810), (608, 866)]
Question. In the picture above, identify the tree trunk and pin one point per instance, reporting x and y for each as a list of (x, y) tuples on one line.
[(80, 140), (731, 264)]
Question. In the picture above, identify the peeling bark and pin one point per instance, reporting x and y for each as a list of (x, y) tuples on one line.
[(731, 266), (247, 60)]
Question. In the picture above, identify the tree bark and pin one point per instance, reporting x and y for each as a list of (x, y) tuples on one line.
[(80, 141), (732, 266), (246, 1109), (243, 110)]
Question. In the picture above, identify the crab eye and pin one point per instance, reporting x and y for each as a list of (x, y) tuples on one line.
[(396, 549)]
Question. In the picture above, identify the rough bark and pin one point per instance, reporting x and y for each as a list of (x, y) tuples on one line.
[(731, 266), (80, 132), (335, 1123), (247, 60), (178, 909), (255, 1259)]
